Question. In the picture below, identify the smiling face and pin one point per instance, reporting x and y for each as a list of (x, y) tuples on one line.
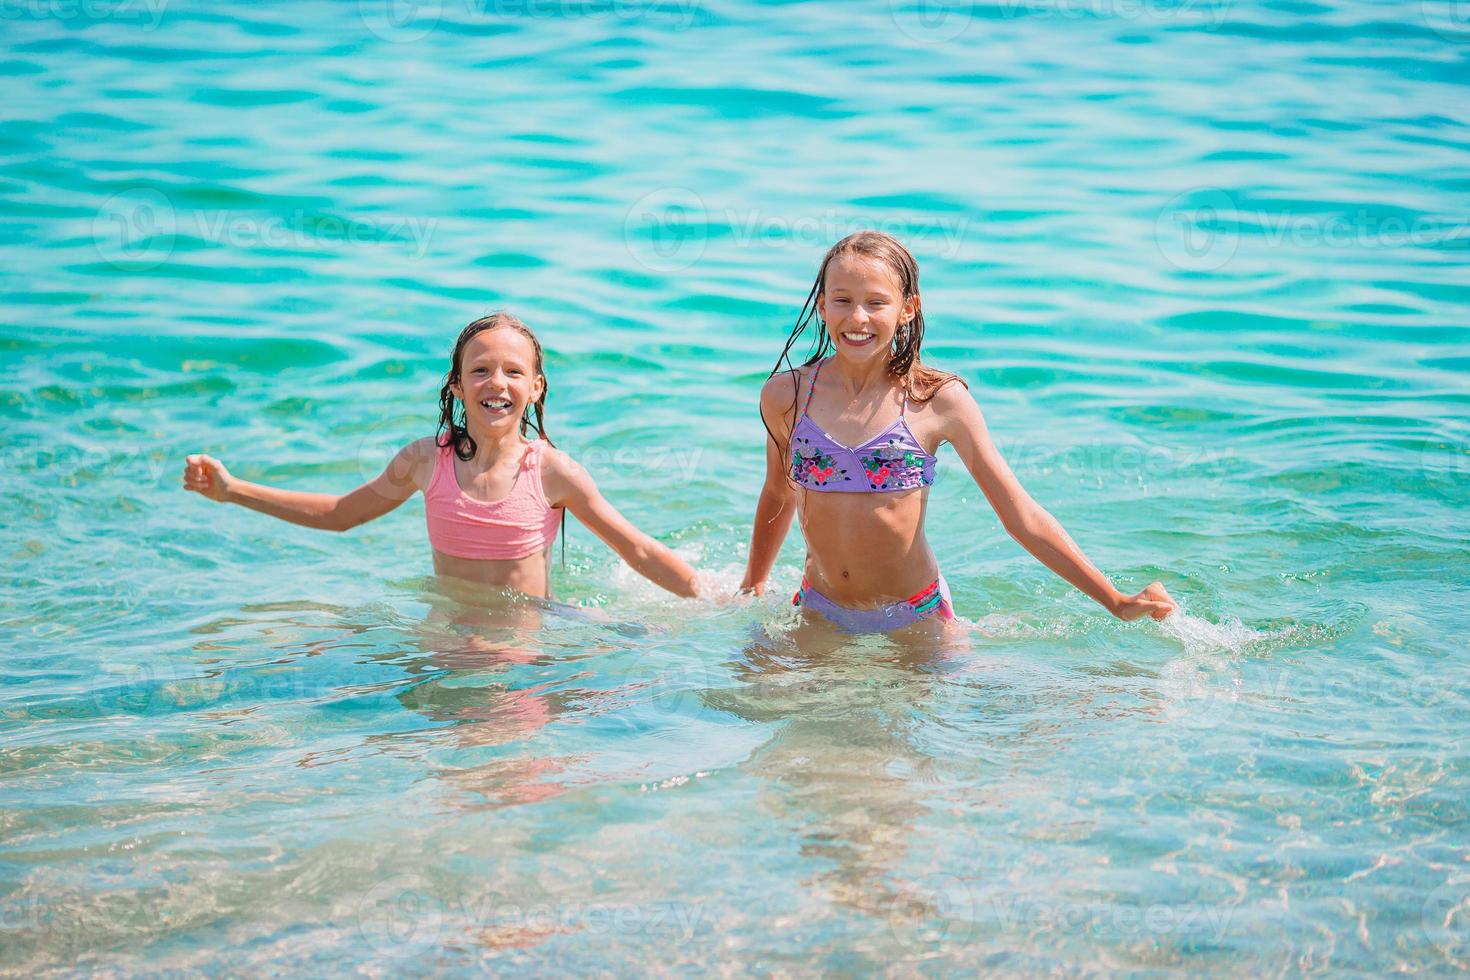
[(863, 307), (497, 379)]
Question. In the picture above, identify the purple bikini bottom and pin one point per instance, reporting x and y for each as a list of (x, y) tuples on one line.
[(932, 600)]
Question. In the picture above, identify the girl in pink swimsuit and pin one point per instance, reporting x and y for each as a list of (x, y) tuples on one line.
[(493, 498), (861, 498)]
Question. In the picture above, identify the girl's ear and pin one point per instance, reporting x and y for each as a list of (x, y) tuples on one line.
[(822, 307), (456, 391), (539, 389), (910, 309)]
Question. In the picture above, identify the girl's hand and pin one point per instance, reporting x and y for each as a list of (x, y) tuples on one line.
[(207, 476), (1153, 601)]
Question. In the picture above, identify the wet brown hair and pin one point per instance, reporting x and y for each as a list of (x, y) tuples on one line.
[(452, 430)]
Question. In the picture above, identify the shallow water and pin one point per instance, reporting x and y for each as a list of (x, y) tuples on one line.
[(1203, 265)]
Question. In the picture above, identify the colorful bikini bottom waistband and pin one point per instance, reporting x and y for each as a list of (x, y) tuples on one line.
[(932, 600)]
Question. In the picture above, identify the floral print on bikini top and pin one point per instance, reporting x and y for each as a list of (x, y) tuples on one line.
[(894, 459)]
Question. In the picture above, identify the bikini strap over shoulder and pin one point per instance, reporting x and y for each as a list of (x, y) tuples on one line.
[(813, 389)]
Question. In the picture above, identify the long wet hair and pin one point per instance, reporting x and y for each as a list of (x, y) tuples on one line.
[(452, 427), (920, 382)]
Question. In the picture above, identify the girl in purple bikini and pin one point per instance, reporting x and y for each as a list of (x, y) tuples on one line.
[(862, 496)]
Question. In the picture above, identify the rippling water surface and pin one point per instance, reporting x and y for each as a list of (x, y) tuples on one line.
[(1202, 263)]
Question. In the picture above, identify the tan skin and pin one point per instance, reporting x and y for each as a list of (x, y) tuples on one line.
[(496, 366), (863, 307)]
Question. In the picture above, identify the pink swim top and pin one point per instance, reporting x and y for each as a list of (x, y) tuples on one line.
[(518, 526)]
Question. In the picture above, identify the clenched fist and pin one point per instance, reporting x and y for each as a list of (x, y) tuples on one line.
[(207, 476)]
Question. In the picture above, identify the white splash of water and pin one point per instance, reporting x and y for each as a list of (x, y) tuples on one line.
[(1200, 636)]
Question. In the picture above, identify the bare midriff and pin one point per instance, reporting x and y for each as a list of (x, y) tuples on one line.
[(866, 549), (528, 575)]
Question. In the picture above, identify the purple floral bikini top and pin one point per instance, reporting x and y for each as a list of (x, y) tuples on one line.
[(894, 459)]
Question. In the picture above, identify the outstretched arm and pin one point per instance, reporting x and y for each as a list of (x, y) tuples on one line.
[(568, 485), (407, 472), (1027, 521), (776, 508)]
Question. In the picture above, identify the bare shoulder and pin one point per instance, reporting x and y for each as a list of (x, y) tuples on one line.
[(410, 469), (780, 395), (783, 384), (948, 396), (421, 449), (558, 462), (421, 454), (945, 406), (562, 477)]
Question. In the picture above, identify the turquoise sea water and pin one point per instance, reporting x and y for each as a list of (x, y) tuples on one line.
[(1203, 264)]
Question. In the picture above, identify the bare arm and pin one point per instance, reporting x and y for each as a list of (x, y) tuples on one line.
[(776, 507), (568, 485), (407, 472), (1027, 521)]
